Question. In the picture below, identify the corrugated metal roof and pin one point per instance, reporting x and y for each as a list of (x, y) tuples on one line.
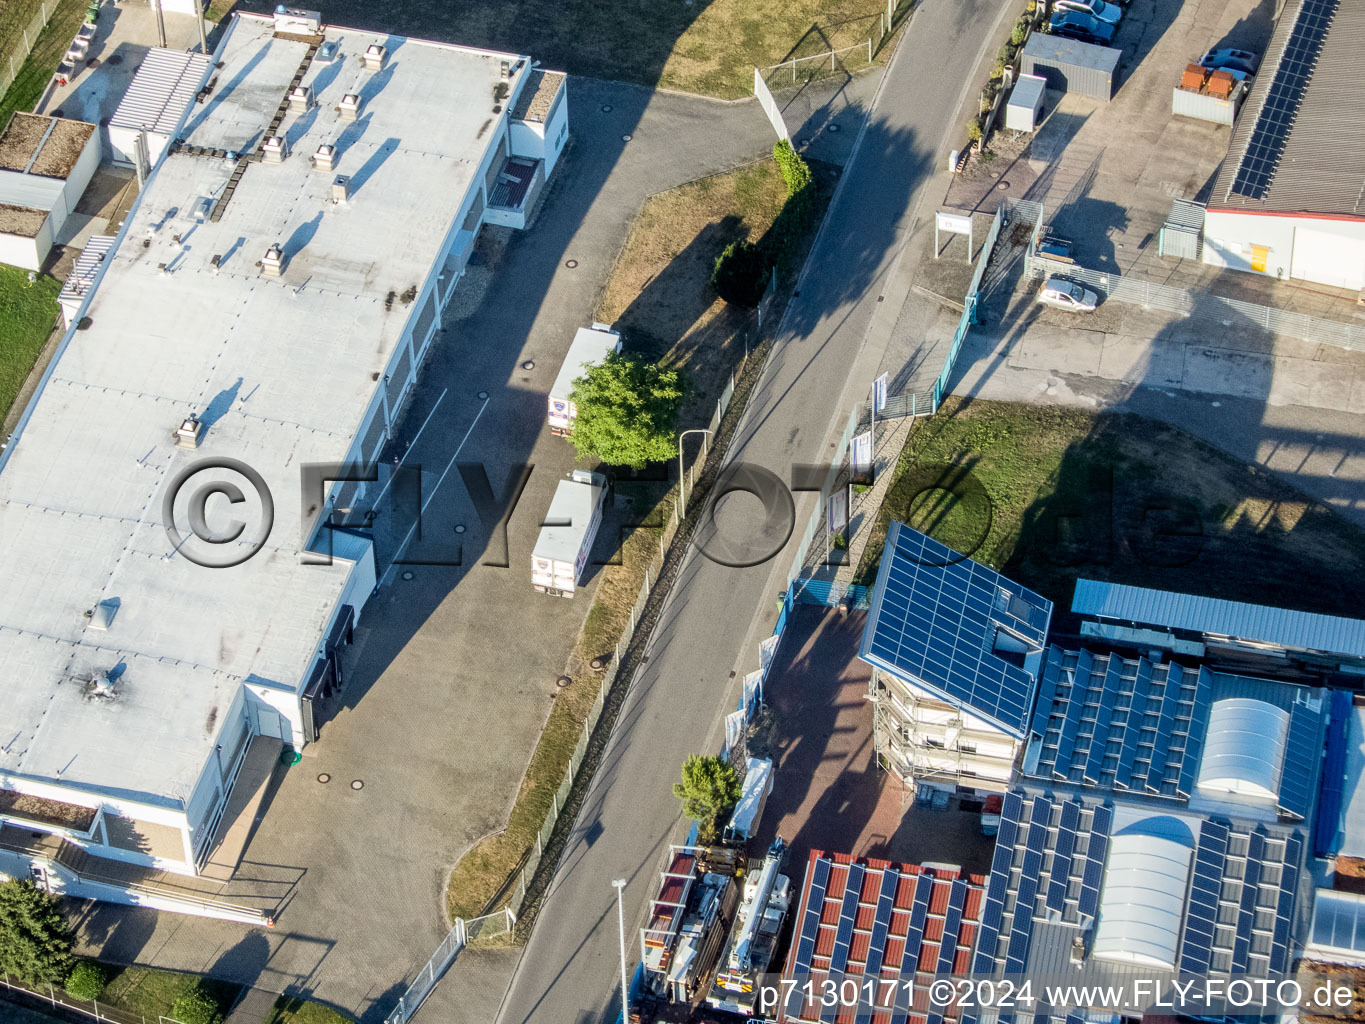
[(1303, 631), (30, 190), (85, 268), (1321, 164), (1028, 91), (1058, 49), (163, 88)]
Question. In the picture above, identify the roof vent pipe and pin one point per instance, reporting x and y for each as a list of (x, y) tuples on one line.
[(349, 107), (373, 58)]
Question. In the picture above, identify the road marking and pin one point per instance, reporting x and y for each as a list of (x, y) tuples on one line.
[(415, 438), (432, 495)]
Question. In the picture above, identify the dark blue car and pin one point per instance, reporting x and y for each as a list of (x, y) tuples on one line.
[(1082, 27)]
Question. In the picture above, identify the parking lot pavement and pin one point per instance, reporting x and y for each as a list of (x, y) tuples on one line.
[(828, 793)]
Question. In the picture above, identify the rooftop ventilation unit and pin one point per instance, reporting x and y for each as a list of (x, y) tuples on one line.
[(301, 98), (101, 686), (341, 188), (274, 149), (324, 157), (102, 615), (295, 21), (373, 58), (349, 107), (506, 70), (188, 434), (272, 263)]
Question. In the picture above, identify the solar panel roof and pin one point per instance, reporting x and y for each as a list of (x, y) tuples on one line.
[(934, 622)]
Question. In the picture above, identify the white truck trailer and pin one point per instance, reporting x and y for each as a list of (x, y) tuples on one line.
[(561, 551), (591, 345), (749, 950)]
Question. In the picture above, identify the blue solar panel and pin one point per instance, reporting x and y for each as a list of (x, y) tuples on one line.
[(987, 937), (1109, 696), (881, 923), (1301, 755), (952, 922), (1075, 704), (1281, 951), (1207, 882), (1265, 147), (810, 924), (1333, 776), (1061, 858), (1010, 812), (848, 914), (1246, 910), (1021, 925), (1170, 700), (934, 619), (1048, 681), (1199, 723), (914, 937), (1101, 821)]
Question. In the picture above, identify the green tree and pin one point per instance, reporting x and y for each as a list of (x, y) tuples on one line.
[(627, 412), (87, 980), (709, 789), (196, 1006), (35, 940)]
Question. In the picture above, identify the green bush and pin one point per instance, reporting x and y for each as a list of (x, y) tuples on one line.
[(1017, 36), (741, 273), (196, 1006), (35, 940), (795, 171), (974, 130), (87, 981)]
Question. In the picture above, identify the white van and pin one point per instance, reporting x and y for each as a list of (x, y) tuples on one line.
[(561, 551)]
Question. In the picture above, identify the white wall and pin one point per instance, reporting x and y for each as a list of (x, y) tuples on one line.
[(25, 253), (79, 178), (1229, 237)]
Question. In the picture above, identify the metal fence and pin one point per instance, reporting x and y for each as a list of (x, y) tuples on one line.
[(460, 935), (1204, 306), (90, 1008), (28, 38)]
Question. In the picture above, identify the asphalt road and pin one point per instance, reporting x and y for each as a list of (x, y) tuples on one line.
[(830, 345)]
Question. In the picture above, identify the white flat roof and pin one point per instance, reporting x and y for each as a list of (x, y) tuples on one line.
[(30, 190), (280, 370)]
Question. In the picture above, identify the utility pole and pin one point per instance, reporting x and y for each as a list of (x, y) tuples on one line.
[(620, 884), (203, 31)]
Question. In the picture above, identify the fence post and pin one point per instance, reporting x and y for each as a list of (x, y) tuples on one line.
[(869, 50)]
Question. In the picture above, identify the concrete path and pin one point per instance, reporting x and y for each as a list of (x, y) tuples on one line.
[(253, 1007), (701, 647)]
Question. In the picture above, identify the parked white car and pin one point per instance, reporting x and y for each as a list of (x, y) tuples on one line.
[(1063, 294)]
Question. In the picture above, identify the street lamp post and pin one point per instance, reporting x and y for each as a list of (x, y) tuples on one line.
[(620, 884), (682, 478)]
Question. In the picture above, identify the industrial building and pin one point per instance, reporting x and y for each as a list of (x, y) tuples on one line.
[(270, 300), (955, 650), (1288, 200), (45, 165)]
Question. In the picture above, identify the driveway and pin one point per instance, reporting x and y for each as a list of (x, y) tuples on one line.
[(451, 674)]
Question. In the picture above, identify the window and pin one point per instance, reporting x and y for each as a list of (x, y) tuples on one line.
[(966, 748)]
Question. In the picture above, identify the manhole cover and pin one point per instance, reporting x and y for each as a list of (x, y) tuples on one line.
[(563, 681), (357, 784), (324, 778), (1003, 185), (606, 108), (115, 59), (530, 364), (834, 127), (571, 263), (407, 575), (482, 396), (625, 138), (459, 527)]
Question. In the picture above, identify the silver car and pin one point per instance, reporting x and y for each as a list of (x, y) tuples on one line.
[(1060, 293)]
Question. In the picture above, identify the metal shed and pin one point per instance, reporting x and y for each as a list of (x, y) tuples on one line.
[(1072, 66), (1025, 107)]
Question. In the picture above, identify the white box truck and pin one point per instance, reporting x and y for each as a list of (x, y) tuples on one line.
[(590, 346), (561, 551)]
